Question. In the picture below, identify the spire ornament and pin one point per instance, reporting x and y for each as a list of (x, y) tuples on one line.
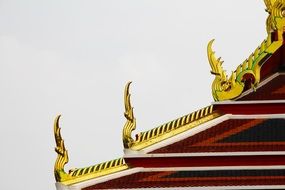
[(276, 18), (246, 75), (130, 124), (62, 154)]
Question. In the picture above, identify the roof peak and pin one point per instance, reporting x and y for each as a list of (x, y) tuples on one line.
[(248, 74)]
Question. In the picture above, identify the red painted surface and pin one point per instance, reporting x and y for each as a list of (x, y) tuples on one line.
[(200, 161), (273, 90), (250, 109), (272, 64), (208, 141), (160, 179), (211, 140)]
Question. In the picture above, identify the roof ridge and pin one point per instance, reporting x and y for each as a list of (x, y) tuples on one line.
[(174, 127), (98, 170), (142, 140)]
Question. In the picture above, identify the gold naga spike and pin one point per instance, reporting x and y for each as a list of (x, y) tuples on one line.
[(245, 65), (127, 101), (269, 4), (268, 41), (220, 60), (239, 70), (62, 154), (256, 52), (233, 78), (262, 46), (216, 64), (250, 61), (130, 124), (224, 75), (210, 54), (224, 88)]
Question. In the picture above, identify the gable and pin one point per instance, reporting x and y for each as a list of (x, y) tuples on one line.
[(272, 90), (234, 135), (270, 130), (222, 179)]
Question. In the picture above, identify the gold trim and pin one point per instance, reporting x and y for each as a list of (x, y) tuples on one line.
[(224, 88), (62, 154), (97, 168), (228, 88), (81, 174), (276, 18), (105, 168), (174, 127), (130, 124)]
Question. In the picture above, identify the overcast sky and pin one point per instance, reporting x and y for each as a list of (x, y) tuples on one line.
[(75, 57)]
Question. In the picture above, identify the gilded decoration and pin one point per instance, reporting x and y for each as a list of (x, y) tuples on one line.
[(130, 124), (247, 74), (62, 154), (175, 127), (80, 174)]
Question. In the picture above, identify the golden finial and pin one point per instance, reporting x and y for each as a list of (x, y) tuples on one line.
[(216, 64), (228, 88), (62, 154), (269, 4), (130, 124), (276, 18)]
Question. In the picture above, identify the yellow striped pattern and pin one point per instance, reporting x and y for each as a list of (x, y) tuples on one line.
[(97, 168), (168, 127)]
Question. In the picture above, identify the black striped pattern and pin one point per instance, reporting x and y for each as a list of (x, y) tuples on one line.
[(165, 128), (227, 173), (97, 168)]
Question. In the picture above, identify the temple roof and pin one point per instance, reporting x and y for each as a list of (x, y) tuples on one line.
[(234, 135), (188, 178), (236, 142)]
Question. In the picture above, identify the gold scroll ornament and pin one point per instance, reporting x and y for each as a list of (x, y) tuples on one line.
[(228, 88), (130, 124)]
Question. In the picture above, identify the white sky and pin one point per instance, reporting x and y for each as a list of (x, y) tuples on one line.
[(75, 57)]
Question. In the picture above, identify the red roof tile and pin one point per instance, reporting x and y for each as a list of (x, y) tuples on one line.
[(234, 135), (273, 90), (195, 178)]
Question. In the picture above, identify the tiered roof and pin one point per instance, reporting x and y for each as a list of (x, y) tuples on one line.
[(238, 142)]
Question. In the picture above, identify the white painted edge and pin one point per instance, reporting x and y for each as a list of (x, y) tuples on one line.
[(102, 179), (220, 188), (184, 135), (230, 102), (176, 138), (199, 129), (262, 83), (259, 116), (208, 154), (95, 181), (207, 168), (60, 186)]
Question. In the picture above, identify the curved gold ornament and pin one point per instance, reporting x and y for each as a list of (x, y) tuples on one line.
[(223, 87), (130, 124), (105, 168), (62, 154), (276, 19), (175, 127), (81, 174), (248, 73)]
